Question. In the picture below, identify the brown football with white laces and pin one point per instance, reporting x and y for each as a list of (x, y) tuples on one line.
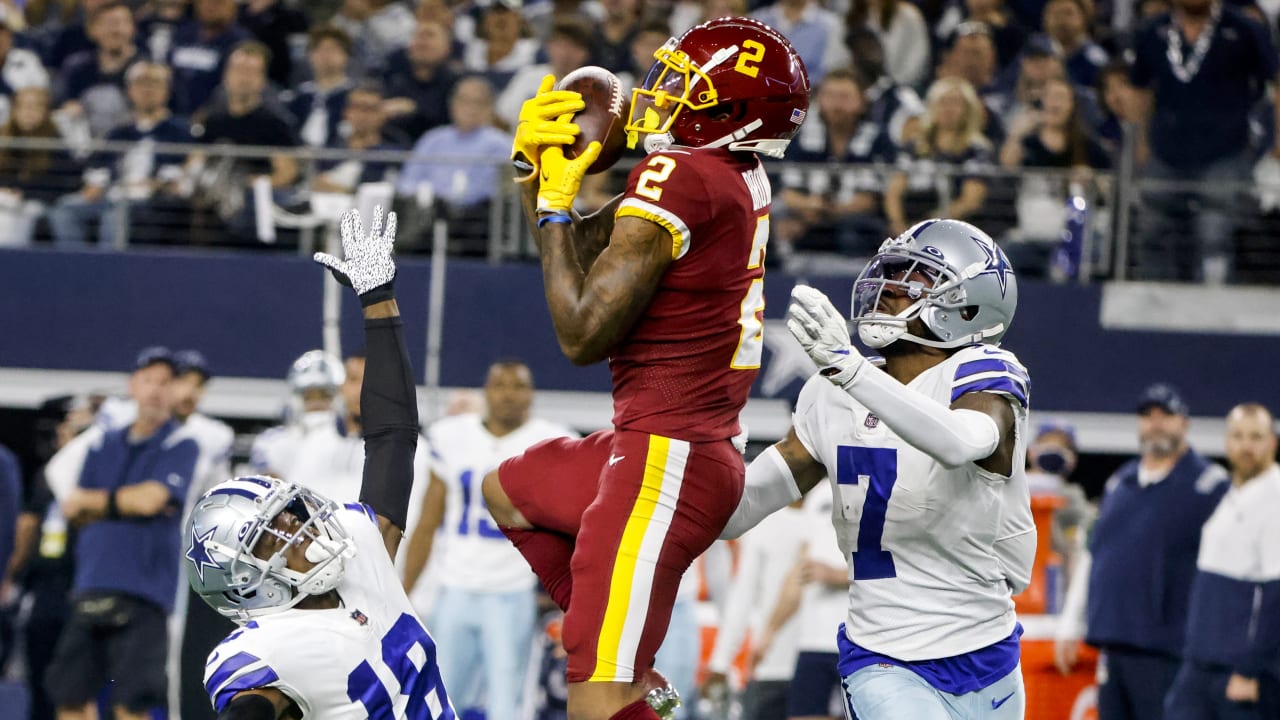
[(603, 118)]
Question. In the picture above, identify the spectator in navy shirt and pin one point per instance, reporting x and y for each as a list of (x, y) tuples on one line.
[(1230, 665), (420, 79), (127, 507), (1200, 70), (275, 26), (140, 184), (159, 25), (1130, 593), (317, 104), (199, 54), (92, 81), (72, 38), (1066, 28), (366, 121)]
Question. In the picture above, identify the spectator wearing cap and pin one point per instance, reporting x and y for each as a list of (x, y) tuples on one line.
[(501, 46), (568, 48), (420, 79), (814, 31), (19, 68), (127, 506), (91, 86), (200, 52), (1131, 592), (1231, 665), (141, 184), (1199, 70), (316, 105)]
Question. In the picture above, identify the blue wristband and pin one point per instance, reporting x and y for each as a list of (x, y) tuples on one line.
[(554, 218)]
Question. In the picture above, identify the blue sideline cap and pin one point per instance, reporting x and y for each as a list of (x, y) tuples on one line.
[(155, 354), (1164, 396), (191, 361)]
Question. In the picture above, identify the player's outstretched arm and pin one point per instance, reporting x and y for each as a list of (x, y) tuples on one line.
[(388, 398), (978, 428), (779, 476)]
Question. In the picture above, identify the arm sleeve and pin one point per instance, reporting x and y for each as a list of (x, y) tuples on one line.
[(389, 405), (1071, 623), (769, 487)]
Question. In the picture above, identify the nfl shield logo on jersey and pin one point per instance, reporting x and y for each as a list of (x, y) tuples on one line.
[(872, 422), (359, 617)]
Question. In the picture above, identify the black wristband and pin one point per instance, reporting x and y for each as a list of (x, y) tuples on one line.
[(113, 510), (385, 291)]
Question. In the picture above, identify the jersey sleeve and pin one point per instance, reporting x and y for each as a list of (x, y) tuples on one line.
[(991, 370), (244, 661), (806, 419), (667, 188)]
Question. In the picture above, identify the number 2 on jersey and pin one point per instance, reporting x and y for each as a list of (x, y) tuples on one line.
[(660, 167), (878, 467)]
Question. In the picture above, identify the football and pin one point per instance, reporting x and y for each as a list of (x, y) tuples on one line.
[(604, 117)]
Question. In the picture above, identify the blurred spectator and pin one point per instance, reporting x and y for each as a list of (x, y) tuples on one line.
[(616, 30), (73, 37), (1230, 665), (1115, 96), (316, 105), (247, 121), (30, 178), (331, 458), (276, 25), (766, 553), (944, 172), (687, 13), (568, 48), (1036, 67), (1066, 27), (902, 32), (420, 79), (19, 68), (894, 107), (1199, 71), (651, 36), (542, 16), (10, 504), (1007, 34), (199, 54), (486, 612), (972, 58), (191, 380), (376, 27), (1130, 593), (824, 207), (500, 48), (365, 119), (1051, 461), (313, 379), (91, 85), (139, 183), (127, 506), (815, 32), (41, 563), (158, 24), (460, 165)]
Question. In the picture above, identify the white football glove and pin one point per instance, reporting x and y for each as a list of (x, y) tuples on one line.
[(824, 334), (368, 267)]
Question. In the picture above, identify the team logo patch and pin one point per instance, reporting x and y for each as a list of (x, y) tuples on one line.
[(360, 618), (797, 115), (872, 422)]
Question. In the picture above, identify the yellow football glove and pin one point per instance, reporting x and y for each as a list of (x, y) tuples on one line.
[(544, 121), (562, 176)]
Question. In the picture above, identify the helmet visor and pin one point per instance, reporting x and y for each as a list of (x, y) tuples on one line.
[(911, 275)]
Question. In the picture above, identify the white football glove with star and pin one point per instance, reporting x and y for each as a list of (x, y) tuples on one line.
[(368, 266), (824, 335)]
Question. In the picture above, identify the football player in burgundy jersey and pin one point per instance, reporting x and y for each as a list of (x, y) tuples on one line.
[(667, 284)]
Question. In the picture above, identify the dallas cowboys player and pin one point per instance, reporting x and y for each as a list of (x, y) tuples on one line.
[(327, 632), (925, 458)]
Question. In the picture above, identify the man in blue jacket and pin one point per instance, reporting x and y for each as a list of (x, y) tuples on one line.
[(128, 507), (1233, 629), (1143, 550)]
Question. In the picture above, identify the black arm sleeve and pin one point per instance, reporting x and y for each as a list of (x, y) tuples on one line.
[(248, 707), (389, 410)]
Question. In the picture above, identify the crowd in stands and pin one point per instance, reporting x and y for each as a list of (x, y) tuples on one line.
[(928, 102)]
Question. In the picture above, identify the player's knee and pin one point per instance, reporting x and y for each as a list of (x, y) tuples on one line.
[(504, 512)]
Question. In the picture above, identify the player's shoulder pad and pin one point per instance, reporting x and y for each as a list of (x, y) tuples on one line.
[(359, 512), (243, 661), (985, 368)]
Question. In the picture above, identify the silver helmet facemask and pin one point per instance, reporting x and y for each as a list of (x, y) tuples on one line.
[(960, 284), (229, 521)]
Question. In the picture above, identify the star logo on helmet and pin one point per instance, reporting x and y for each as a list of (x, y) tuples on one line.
[(997, 263), (198, 553)]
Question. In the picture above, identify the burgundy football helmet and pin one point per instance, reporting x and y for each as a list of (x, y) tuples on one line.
[(732, 82)]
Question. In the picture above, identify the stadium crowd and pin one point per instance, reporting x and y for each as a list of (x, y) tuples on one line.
[(919, 108)]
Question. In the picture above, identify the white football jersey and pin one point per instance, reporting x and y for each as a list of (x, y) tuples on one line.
[(476, 556), (276, 448), (369, 658), (934, 553)]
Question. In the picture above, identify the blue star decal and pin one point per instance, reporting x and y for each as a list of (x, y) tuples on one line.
[(997, 263), (199, 555)]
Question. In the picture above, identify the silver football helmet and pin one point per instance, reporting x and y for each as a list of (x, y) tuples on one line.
[(227, 523), (964, 288), (316, 369)]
